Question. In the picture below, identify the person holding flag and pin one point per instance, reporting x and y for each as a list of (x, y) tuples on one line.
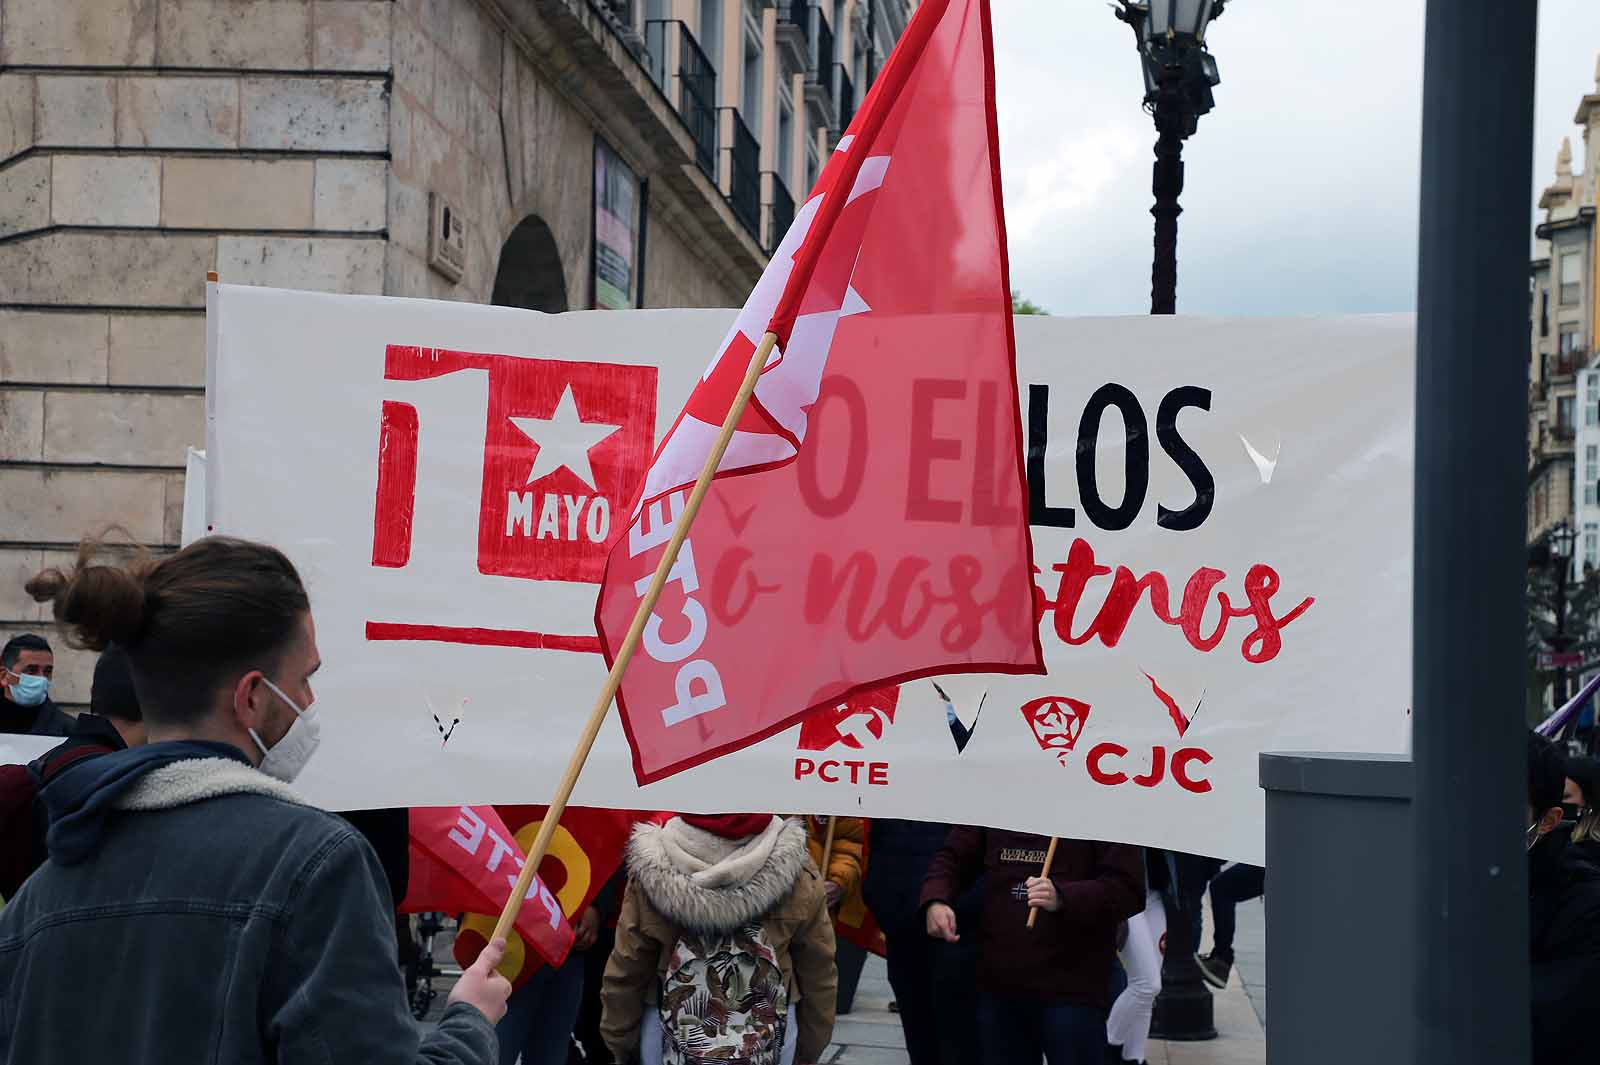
[(860, 433), (262, 928), (1045, 987)]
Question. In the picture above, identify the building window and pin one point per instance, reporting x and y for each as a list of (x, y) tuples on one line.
[(752, 80), (711, 31), (1591, 385), (1591, 549), (1571, 277), (1591, 455), (786, 139), (1591, 413), (1588, 495), (1569, 340), (838, 31), (1544, 312), (1564, 412)]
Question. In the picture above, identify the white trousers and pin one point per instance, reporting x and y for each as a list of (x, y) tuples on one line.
[(1128, 1025), (651, 1034)]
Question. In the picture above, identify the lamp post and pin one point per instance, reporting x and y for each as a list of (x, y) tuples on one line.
[(1563, 538), (1179, 74)]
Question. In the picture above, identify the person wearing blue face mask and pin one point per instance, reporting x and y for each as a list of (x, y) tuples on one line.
[(26, 668)]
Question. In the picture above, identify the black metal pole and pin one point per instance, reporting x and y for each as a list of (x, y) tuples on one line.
[(1166, 182), (1560, 641), (1471, 477), (1183, 1010)]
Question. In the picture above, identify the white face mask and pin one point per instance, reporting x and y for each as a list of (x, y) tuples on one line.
[(291, 753)]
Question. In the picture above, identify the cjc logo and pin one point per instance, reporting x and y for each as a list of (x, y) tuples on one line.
[(854, 724), (1057, 722), (564, 446)]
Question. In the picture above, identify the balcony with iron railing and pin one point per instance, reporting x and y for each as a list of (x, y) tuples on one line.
[(845, 93), (1552, 443), (641, 104), (794, 32), (819, 70), (741, 179), (680, 67), (1561, 366), (780, 210)]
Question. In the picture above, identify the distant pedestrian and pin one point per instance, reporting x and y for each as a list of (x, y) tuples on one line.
[(724, 950), (113, 722), (260, 928), (934, 982), (1580, 804), (27, 666), (1128, 1026), (1235, 884), (1044, 991), (841, 870), (1564, 925)]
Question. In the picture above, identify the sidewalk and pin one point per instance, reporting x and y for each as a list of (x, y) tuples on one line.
[(870, 1034), (1240, 1011)]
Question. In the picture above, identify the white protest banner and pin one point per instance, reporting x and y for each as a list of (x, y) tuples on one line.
[(1221, 515)]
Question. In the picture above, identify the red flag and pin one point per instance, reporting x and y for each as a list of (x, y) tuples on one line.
[(854, 923), (868, 523), (585, 852), (464, 858)]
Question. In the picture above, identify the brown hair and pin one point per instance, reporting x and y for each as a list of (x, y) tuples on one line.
[(189, 622)]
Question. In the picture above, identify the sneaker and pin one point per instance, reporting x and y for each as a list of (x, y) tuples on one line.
[(1214, 969)]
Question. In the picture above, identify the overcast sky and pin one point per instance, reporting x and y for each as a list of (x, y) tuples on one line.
[(1301, 187)]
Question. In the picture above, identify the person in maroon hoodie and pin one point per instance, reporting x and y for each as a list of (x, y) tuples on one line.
[(1044, 991)]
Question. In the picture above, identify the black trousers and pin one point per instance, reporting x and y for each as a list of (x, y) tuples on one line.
[(1236, 884), (935, 988)]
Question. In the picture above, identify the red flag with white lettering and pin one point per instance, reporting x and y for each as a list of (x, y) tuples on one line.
[(463, 859), (584, 853), (868, 523)]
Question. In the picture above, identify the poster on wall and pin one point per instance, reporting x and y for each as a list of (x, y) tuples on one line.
[(1222, 547), (618, 232)]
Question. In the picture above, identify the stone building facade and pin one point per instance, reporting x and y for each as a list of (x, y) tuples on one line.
[(1563, 391), (318, 144)]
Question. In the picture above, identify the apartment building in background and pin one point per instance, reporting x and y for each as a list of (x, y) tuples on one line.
[(550, 154), (1564, 383)]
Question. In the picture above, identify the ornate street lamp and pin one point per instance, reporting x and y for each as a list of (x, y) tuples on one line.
[(1179, 74)]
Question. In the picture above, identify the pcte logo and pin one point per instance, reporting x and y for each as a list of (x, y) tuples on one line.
[(853, 725)]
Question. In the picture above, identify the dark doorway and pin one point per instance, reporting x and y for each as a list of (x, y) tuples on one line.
[(530, 273)]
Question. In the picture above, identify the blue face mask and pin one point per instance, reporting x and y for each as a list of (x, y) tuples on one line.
[(30, 690)]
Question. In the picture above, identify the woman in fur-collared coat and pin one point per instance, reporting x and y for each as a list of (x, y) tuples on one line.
[(724, 941)]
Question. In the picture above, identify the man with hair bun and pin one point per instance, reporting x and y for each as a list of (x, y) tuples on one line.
[(257, 925)]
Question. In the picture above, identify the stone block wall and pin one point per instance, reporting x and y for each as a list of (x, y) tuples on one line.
[(143, 143), (290, 143)]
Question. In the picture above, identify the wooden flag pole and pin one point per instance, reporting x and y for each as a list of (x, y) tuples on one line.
[(1049, 859), (827, 846), (630, 643)]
